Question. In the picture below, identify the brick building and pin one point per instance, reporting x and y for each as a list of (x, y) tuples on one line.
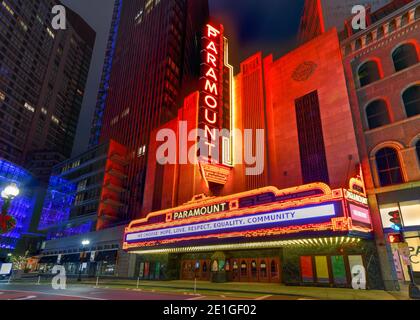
[(383, 76)]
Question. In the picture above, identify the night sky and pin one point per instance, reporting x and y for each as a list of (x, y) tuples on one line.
[(251, 25)]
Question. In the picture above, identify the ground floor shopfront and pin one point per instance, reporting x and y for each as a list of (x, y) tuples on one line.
[(102, 257), (324, 262), (406, 201)]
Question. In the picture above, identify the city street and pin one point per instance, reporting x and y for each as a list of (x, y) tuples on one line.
[(84, 292)]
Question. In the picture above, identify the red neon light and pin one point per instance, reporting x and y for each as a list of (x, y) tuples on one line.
[(210, 100)]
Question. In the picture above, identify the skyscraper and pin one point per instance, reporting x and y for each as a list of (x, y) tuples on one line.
[(156, 62), (43, 73), (106, 73)]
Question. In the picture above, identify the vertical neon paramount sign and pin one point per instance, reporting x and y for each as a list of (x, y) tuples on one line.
[(212, 112)]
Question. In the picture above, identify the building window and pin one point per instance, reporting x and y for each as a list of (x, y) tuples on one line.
[(358, 44), (411, 98), (380, 33), (418, 150), (392, 26), (389, 167), (405, 19), (368, 73), (377, 114), (311, 139), (404, 56), (417, 15), (369, 38)]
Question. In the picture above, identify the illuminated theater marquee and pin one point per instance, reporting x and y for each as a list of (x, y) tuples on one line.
[(266, 219), (262, 214)]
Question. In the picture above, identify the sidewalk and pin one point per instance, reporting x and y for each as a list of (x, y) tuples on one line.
[(263, 289)]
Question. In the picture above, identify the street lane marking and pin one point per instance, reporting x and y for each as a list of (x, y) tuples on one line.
[(197, 298), (263, 297), (26, 298), (53, 294)]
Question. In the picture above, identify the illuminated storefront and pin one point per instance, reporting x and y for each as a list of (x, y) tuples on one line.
[(403, 255), (307, 234), (21, 207)]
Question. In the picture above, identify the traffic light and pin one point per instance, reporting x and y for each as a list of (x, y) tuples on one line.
[(395, 238), (395, 220)]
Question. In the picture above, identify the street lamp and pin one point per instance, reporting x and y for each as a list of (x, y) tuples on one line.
[(84, 244), (8, 194)]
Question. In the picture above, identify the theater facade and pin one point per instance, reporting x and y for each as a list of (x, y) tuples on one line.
[(304, 220)]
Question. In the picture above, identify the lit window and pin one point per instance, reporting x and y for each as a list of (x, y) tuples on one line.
[(141, 152), (55, 120), (139, 17), (44, 111), (125, 113), (50, 33), (2, 96), (29, 107), (8, 8)]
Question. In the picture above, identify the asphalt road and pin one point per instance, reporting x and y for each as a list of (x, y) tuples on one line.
[(81, 292)]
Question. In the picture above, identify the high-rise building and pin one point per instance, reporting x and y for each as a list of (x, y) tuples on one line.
[(321, 15), (156, 61), (43, 73), (106, 73), (382, 66)]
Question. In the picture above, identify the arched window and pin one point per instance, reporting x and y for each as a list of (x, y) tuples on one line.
[(377, 114), (417, 15), (411, 98), (368, 73), (404, 56), (405, 19), (389, 167), (380, 33), (392, 26)]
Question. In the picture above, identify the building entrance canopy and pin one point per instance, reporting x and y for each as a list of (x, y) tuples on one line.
[(262, 215)]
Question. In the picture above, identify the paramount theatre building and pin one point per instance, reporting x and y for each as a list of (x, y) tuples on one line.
[(303, 220)]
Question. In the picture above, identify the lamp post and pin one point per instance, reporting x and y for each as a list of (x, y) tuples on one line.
[(8, 194), (84, 244)]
